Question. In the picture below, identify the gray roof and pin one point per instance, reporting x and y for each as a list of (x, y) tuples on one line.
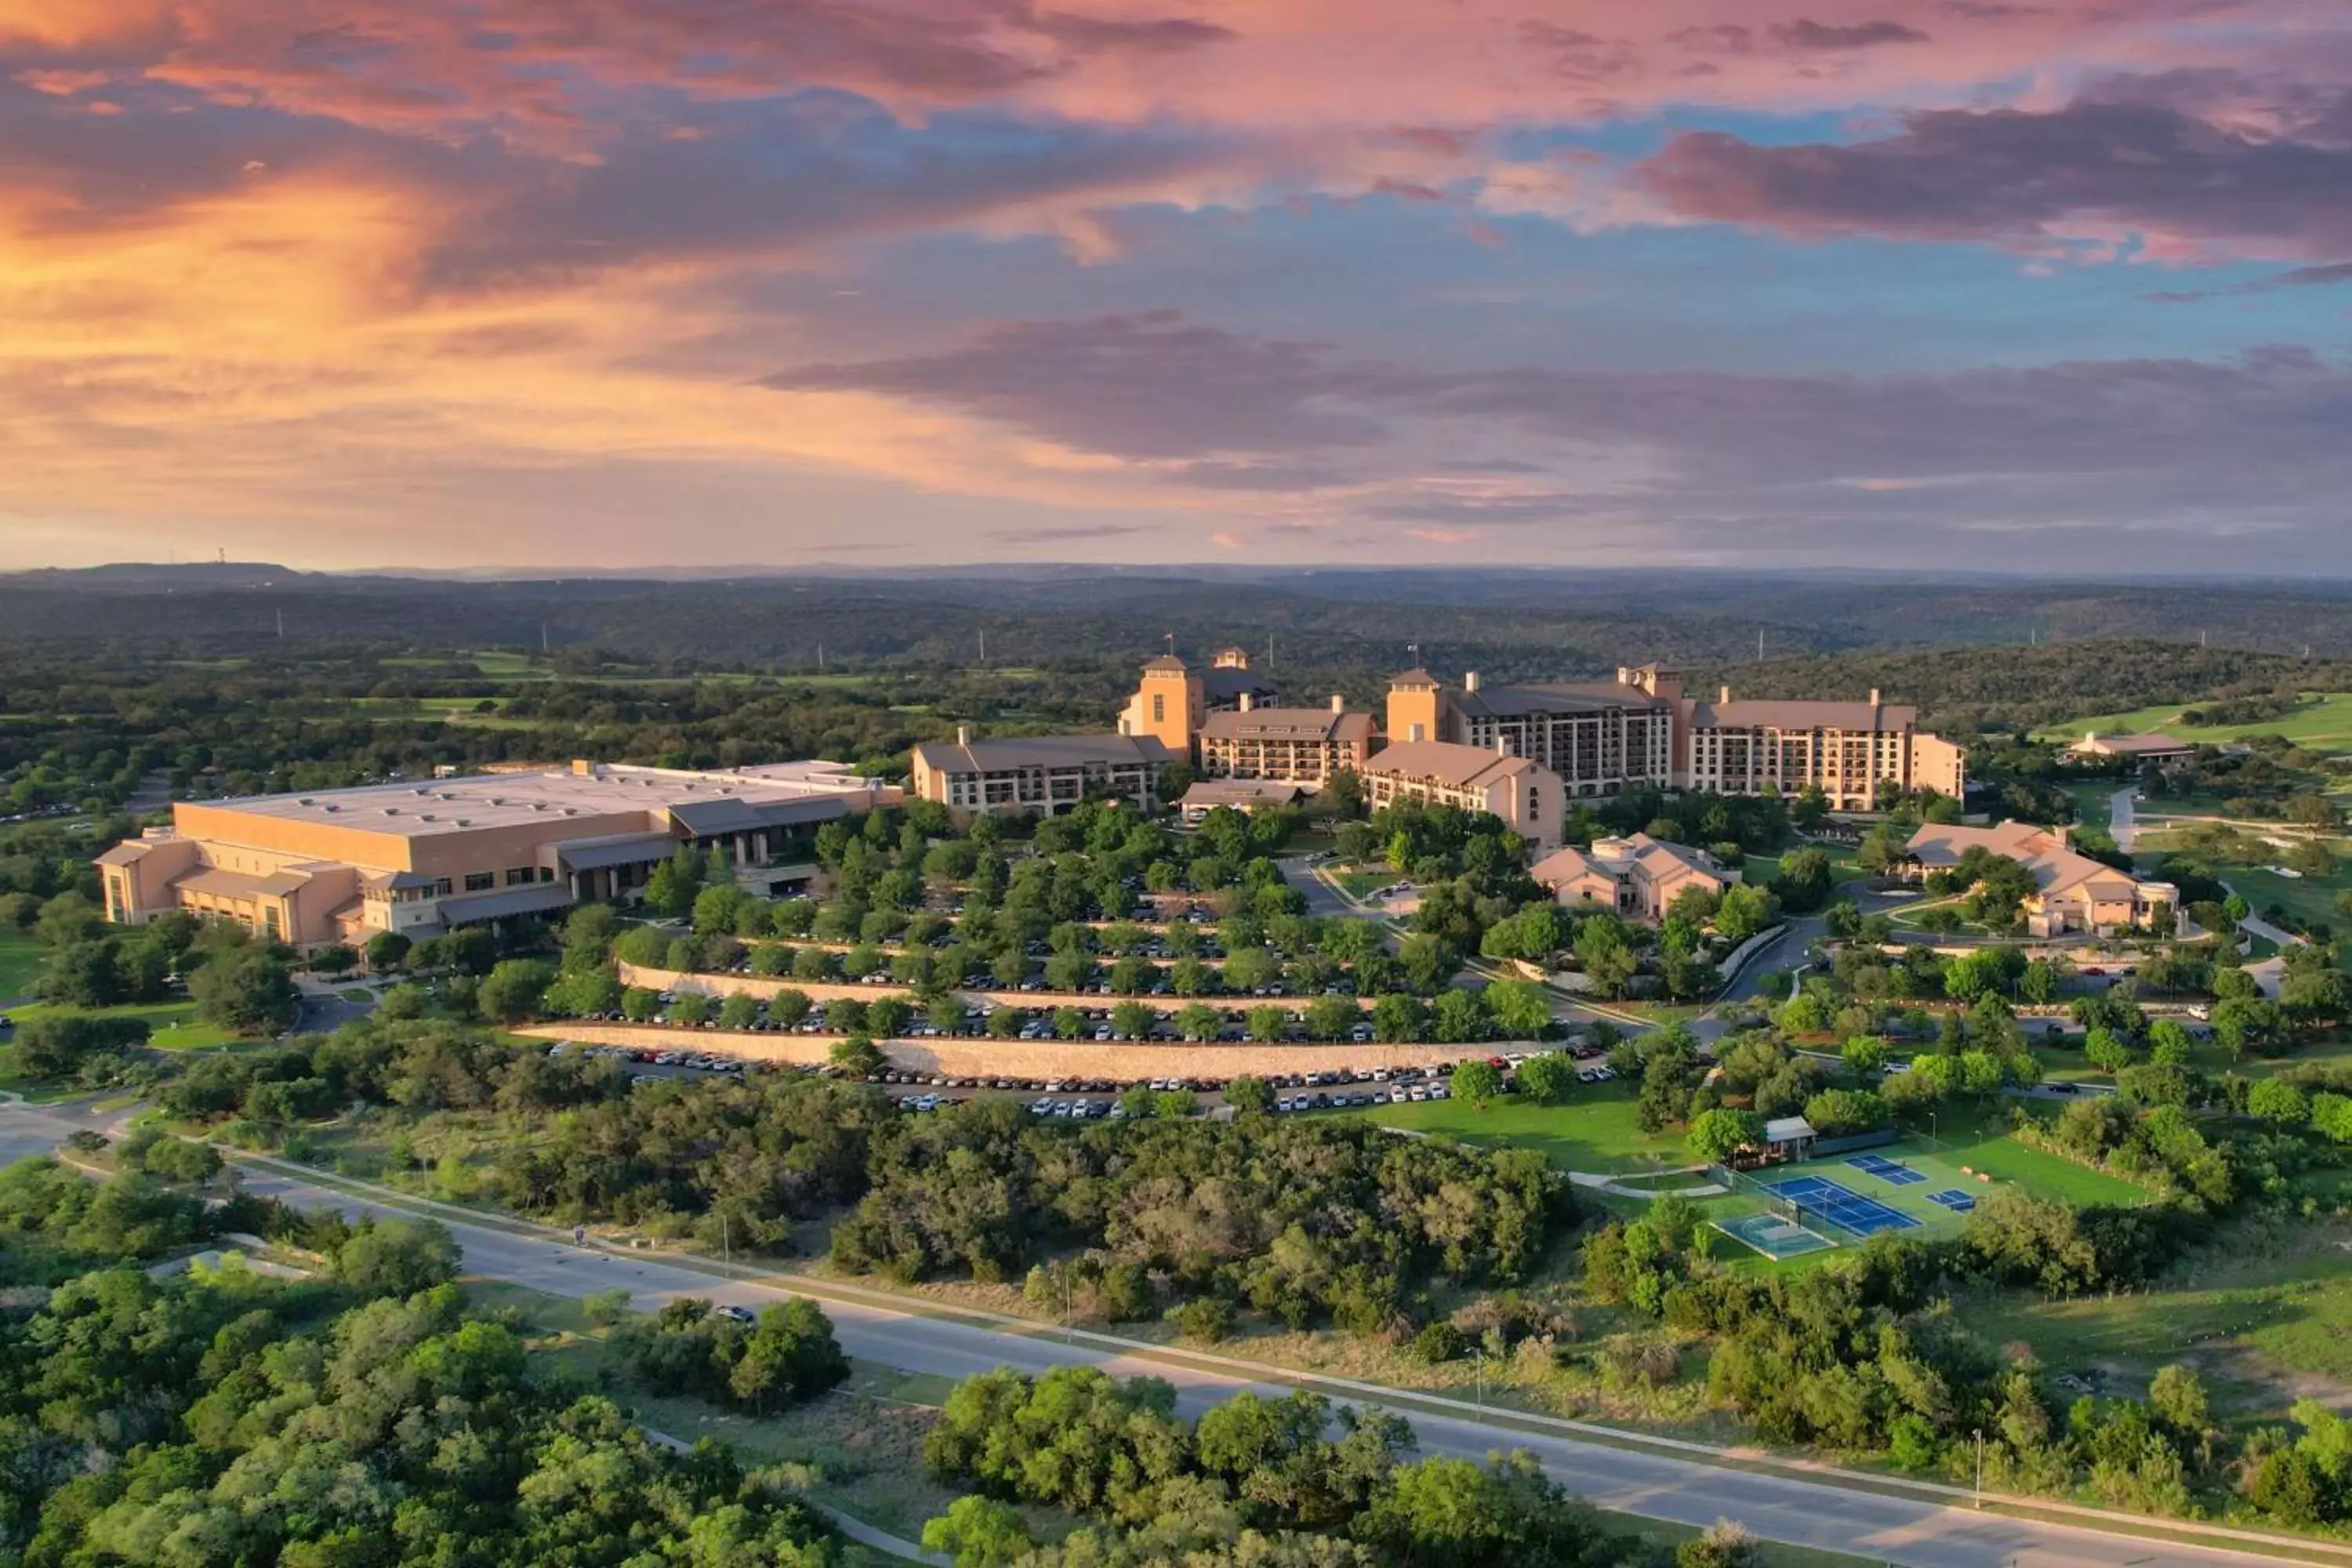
[(1017, 752), (1801, 715), (538, 899), (615, 849), (1503, 701), (1288, 724), (1242, 792)]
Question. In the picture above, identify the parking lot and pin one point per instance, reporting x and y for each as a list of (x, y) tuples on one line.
[(1081, 1100)]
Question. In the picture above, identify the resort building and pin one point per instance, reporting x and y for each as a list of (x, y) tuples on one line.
[(1300, 745), (1601, 739), (2155, 749), (1638, 876), (421, 858), (1247, 797), (2072, 893), (1043, 773), (1526, 794), (1233, 682)]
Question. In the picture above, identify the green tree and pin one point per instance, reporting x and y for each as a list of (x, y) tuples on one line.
[(1249, 1096), (248, 992), (978, 1533), (857, 1056), (1477, 1081), (397, 1256), (515, 989), (1548, 1078), (1716, 1135)]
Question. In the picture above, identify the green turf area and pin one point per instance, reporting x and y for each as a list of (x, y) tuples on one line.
[(1764, 867), (1597, 1130), (1359, 883), (2321, 722), (172, 1026), (20, 964)]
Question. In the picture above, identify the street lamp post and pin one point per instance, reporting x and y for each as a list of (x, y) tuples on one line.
[(1979, 1467)]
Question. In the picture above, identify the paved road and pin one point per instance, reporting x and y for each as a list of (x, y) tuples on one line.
[(1323, 900), (1892, 1529), (2120, 822)]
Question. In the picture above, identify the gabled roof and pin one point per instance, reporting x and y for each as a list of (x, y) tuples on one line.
[(1166, 661), (1241, 793), (1464, 767), (1416, 675)]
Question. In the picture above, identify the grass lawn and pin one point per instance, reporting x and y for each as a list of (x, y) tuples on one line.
[(20, 964), (1359, 883), (172, 1026), (2321, 722), (1594, 1132)]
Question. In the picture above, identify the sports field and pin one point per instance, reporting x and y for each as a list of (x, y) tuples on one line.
[(1915, 1186)]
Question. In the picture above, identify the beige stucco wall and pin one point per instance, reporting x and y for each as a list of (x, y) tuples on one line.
[(765, 986), (1121, 1063)]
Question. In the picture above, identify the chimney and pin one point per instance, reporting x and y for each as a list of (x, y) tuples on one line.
[(1245, 701), (1338, 702), (1723, 694), (963, 734), (1470, 681), (1874, 697), (1416, 733), (1502, 744)]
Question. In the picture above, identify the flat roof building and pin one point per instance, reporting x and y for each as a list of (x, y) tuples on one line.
[(342, 864)]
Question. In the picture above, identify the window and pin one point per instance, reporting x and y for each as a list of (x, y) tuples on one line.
[(1159, 709), (481, 881), (440, 888), (517, 876)]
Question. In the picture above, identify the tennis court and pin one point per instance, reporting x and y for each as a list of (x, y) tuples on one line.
[(1843, 1207), (1892, 1173), (1954, 1199), (1773, 1236)]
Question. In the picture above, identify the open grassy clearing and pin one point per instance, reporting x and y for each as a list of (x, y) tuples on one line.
[(2267, 1318), (2310, 900), (20, 964), (2321, 722), (172, 1026), (1597, 1130)]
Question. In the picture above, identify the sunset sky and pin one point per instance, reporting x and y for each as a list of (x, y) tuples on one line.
[(2006, 284)]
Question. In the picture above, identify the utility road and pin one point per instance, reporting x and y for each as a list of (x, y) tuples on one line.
[(1893, 1530)]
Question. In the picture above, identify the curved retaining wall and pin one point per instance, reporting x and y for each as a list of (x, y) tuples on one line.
[(766, 986), (1129, 1061)]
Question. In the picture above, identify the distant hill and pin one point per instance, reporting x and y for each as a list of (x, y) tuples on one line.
[(1338, 629)]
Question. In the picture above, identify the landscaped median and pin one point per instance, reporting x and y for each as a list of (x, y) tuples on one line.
[(953, 1055)]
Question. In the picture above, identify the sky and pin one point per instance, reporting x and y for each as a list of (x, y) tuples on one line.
[(2015, 285)]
